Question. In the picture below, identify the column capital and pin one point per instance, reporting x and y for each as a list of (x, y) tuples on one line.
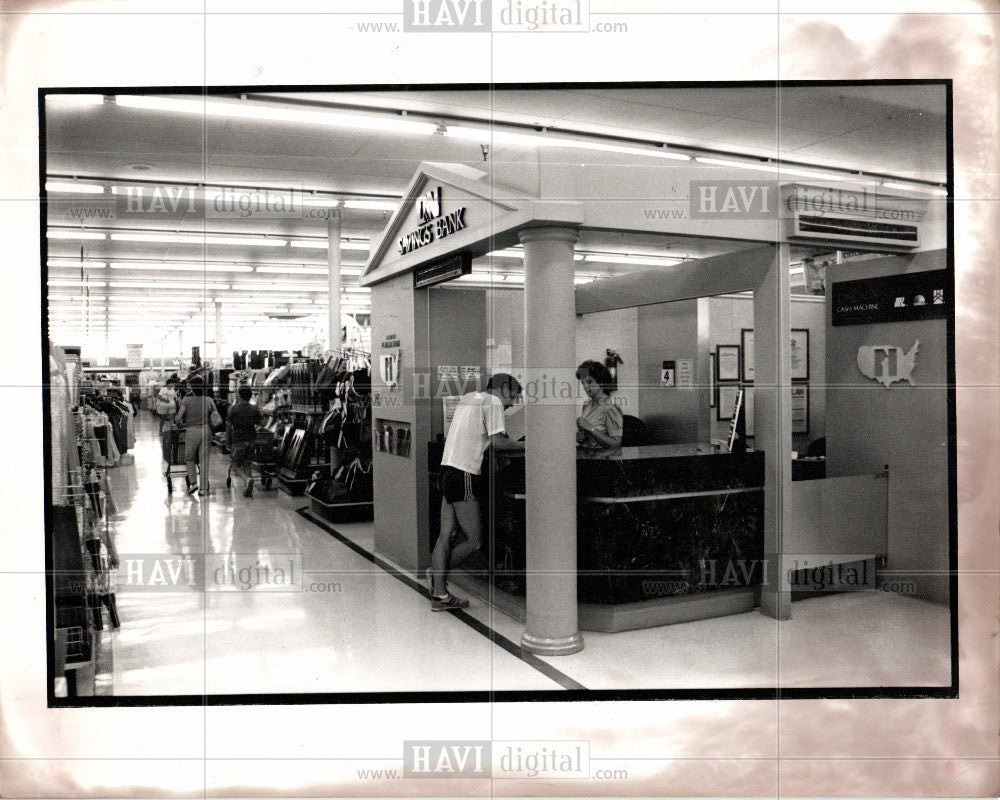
[(550, 233)]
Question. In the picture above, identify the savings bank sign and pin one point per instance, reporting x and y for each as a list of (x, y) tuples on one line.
[(434, 225)]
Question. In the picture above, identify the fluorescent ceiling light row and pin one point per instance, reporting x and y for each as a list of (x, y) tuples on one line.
[(198, 266), (542, 140), (311, 200), (648, 261), (274, 113), (79, 234)]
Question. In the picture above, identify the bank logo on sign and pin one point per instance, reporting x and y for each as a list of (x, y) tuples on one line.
[(448, 15), (888, 365), (430, 205)]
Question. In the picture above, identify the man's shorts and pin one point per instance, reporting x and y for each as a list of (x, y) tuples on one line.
[(458, 486), (241, 454)]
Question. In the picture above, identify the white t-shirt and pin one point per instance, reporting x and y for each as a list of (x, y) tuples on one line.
[(478, 416)]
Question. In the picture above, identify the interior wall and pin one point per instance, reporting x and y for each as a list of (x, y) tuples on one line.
[(905, 426), (400, 483), (728, 315), (456, 328), (619, 331), (505, 329)]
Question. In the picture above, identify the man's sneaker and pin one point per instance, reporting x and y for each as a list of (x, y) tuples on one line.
[(448, 603), (192, 487)]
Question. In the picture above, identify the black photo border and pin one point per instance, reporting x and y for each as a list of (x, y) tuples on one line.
[(488, 696)]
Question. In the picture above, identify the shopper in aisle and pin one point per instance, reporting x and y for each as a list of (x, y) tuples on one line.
[(200, 415), (478, 424), (167, 404), (241, 432)]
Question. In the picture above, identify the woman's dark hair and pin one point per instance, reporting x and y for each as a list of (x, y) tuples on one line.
[(600, 373), (172, 380), (245, 393), (197, 387)]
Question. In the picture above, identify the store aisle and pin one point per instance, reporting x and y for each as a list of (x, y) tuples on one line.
[(228, 595)]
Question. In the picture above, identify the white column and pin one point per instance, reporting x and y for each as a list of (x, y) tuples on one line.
[(773, 421), (218, 335), (180, 344), (550, 442), (333, 261)]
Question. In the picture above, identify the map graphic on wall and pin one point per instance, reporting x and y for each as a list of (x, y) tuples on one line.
[(888, 365)]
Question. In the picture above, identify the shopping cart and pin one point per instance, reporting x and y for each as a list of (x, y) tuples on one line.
[(172, 442), (264, 461)]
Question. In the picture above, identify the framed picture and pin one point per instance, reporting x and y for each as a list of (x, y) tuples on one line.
[(799, 357), (725, 401), (746, 342), (727, 362), (800, 408), (711, 380), (800, 354)]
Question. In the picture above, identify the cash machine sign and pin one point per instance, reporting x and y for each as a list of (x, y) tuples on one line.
[(888, 365)]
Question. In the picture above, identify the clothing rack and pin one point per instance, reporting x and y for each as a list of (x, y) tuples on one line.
[(83, 550)]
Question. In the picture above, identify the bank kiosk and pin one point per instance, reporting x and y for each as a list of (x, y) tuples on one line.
[(585, 513)]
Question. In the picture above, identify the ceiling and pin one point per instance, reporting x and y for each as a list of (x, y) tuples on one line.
[(896, 130)]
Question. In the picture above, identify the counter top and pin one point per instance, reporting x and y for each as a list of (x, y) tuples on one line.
[(635, 453)]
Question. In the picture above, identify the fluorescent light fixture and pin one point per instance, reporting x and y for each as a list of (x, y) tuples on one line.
[(280, 287), (356, 290), (76, 284), (648, 261), (303, 270), (320, 202), (322, 244), (69, 263), (120, 297), (543, 140), (73, 187), (274, 113), (916, 187), (579, 280), (167, 285), (180, 238), (780, 169), (372, 205), (74, 233), (229, 301), (797, 271), (185, 266)]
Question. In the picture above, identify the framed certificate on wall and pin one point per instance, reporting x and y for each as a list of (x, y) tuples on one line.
[(800, 408), (727, 362), (799, 354)]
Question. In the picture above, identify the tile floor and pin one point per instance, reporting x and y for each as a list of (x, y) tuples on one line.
[(347, 625)]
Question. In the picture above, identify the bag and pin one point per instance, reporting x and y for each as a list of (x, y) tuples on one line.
[(215, 419), (166, 402)]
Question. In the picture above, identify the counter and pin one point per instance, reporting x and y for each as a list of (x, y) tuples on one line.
[(663, 521)]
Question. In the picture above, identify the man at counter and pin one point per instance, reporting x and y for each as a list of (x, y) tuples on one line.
[(599, 426), (478, 424)]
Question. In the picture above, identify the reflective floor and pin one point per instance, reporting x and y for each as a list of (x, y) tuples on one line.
[(222, 594)]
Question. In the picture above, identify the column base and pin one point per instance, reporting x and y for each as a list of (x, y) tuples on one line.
[(545, 646)]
